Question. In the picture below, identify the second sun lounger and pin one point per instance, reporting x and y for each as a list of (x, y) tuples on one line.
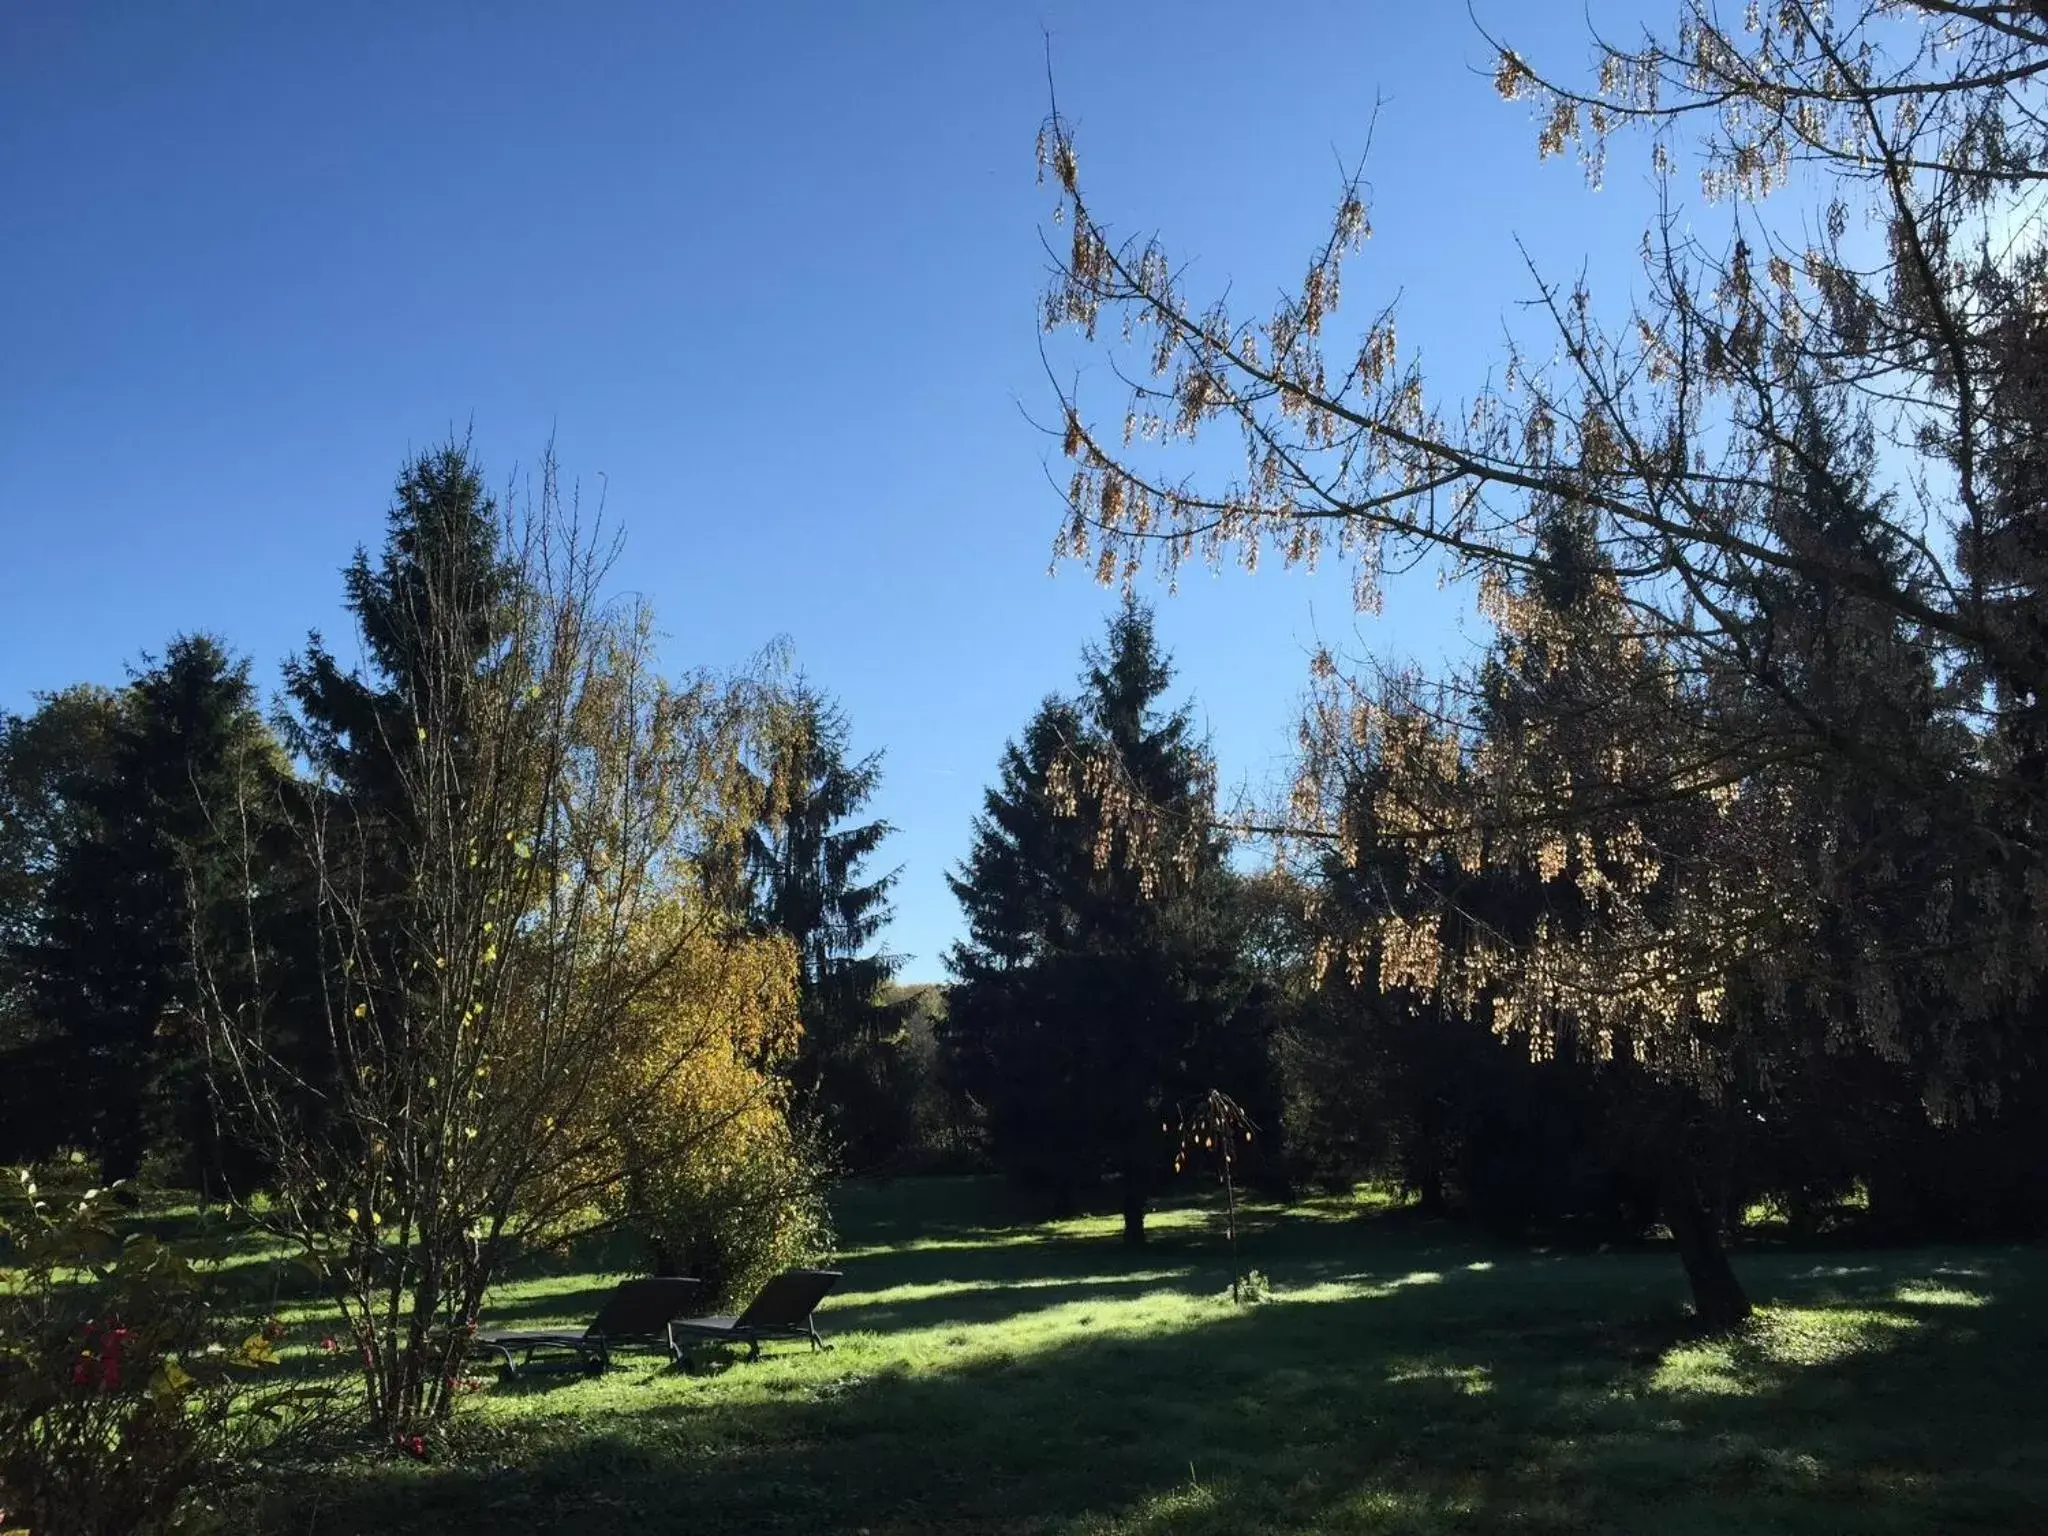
[(783, 1310)]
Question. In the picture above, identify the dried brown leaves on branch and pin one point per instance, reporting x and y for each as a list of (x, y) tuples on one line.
[(1214, 1130), (1696, 785)]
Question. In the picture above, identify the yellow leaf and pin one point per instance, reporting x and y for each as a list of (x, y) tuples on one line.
[(362, 1010), (352, 1216), (171, 1380)]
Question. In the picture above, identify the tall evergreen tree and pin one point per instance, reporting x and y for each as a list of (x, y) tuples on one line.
[(1099, 962), (52, 763), (107, 964), (806, 864), (429, 609)]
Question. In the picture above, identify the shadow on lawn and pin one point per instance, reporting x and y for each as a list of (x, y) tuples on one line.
[(1450, 1404)]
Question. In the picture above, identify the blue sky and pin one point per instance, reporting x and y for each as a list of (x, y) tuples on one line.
[(765, 274)]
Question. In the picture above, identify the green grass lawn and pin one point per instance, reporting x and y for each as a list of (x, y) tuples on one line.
[(1405, 1376)]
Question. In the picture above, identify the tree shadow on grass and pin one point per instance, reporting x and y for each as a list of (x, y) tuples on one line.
[(1892, 1403)]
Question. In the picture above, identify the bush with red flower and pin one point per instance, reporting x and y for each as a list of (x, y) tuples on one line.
[(126, 1384)]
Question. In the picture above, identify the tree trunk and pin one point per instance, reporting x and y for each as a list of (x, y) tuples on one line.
[(1429, 1186), (1134, 1213), (1718, 1299), (1133, 1188)]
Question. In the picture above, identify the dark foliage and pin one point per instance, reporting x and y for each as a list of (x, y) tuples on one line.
[(1096, 985)]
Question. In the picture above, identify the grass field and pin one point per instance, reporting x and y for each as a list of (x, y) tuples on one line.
[(1404, 1377)]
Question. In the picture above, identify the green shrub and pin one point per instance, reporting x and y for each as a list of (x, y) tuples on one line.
[(125, 1383), (737, 1220)]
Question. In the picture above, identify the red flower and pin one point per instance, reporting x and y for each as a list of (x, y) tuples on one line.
[(414, 1446), (110, 1357), (81, 1371), (328, 1346)]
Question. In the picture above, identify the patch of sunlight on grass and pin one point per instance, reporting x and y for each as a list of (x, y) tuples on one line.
[(1361, 1200), (1792, 1466), (1194, 1217), (1159, 1313), (980, 1243), (898, 1295), (1479, 1267), (1388, 1509), (1471, 1380), (1195, 1505), (1933, 1294), (1778, 1338), (1349, 1287)]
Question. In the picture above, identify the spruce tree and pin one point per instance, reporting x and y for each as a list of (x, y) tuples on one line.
[(441, 568), (108, 963), (52, 762), (1099, 963), (806, 861)]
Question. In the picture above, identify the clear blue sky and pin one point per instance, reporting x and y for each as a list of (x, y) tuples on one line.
[(769, 271)]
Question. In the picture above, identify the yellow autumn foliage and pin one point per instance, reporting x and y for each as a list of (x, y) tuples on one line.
[(685, 1135)]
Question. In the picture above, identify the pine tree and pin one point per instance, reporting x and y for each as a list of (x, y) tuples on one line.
[(191, 767), (430, 613), (1099, 962), (806, 866), (431, 609), (51, 763)]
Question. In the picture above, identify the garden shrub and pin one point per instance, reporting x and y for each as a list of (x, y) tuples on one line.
[(127, 1385)]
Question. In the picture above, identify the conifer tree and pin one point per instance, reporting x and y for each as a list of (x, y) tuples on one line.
[(806, 865), (1099, 961), (150, 861)]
